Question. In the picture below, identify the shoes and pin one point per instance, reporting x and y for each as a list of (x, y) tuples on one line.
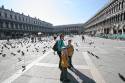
[(61, 79), (66, 80), (69, 67)]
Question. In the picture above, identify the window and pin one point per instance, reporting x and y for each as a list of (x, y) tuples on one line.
[(23, 18), (19, 18), (26, 19), (5, 15), (12, 25), (0, 14), (11, 16), (124, 15), (0, 24), (121, 17), (7, 25), (15, 17)]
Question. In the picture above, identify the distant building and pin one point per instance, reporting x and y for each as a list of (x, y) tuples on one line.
[(69, 28), (14, 24), (109, 20)]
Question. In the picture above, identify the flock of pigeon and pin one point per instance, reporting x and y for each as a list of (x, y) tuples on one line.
[(21, 51)]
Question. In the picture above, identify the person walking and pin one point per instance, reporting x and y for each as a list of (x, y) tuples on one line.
[(64, 65), (70, 51), (63, 58), (83, 38), (60, 44), (54, 36)]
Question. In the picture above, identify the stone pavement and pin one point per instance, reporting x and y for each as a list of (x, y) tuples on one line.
[(96, 61), (45, 69)]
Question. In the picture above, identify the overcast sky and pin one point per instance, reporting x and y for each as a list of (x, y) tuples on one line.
[(57, 12)]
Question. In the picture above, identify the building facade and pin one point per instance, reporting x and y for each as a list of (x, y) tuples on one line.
[(15, 24), (109, 20), (68, 29)]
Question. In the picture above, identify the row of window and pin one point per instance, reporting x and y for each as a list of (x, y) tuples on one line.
[(22, 18), (21, 26), (111, 9), (113, 19)]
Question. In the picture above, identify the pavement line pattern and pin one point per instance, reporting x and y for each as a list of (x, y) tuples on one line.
[(19, 73), (95, 73), (56, 65)]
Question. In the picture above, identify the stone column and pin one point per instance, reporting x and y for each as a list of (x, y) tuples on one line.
[(4, 24), (103, 30), (18, 26), (111, 31), (14, 26), (9, 26), (122, 31), (117, 31)]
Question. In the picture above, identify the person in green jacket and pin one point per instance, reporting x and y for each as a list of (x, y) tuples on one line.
[(60, 47), (60, 44)]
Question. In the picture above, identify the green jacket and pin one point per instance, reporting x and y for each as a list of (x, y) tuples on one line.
[(60, 44)]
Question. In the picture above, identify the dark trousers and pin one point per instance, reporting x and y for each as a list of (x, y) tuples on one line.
[(59, 54), (63, 75), (70, 61)]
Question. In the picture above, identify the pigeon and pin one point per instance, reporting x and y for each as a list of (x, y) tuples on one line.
[(77, 50), (27, 50), (44, 51), (4, 55), (89, 52), (1, 50), (97, 57), (24, 68), (19, 59), (18, 51), (23, 53), (91, 43), (13, 46), (6, 46), (13, 54), (36, 48), (92, 54), (122, 77), (0, 53), (76, 44)]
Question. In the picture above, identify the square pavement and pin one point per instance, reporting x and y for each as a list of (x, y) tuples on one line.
[(46, 71)]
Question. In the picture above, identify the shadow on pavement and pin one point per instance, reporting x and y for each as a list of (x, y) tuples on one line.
[(83, 77), (72, 79)]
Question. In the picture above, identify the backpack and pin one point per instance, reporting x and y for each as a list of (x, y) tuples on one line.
[(55, 47)]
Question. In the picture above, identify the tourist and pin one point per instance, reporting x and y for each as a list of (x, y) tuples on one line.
[(70, 50), (83, 38), (60, 44), (64, 65)]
